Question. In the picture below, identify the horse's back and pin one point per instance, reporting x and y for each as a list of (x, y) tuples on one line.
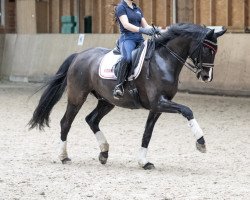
[(87, 60), (92, 56), (84, 69)]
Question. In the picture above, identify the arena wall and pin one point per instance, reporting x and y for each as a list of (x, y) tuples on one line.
[(36, 57), (33, 58), (2, 36)]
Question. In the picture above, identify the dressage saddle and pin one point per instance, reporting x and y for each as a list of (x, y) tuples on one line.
[(136, 54)]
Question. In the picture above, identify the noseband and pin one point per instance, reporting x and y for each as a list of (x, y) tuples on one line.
[(197, 65)]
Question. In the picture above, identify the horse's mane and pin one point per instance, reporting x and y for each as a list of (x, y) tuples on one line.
[(186, 30)]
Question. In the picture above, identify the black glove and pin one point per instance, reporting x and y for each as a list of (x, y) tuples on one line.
[(157, 30), (147, 31)]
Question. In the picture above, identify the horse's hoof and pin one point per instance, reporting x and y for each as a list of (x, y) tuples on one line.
[(201, 147), (149, 166), (66, 161), (103, 157)]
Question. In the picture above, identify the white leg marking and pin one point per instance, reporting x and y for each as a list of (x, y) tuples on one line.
[(198, 133), (103, 144), (63, 150), (142, 156), (210, 74)]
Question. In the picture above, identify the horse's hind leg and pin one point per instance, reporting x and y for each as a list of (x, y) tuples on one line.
[(66, 122), (93, 119), (143, 162)]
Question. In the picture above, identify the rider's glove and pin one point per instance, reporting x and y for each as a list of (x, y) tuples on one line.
[(148, 31), (157, 30)]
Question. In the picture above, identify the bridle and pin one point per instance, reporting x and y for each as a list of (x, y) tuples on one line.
[(197, 65)]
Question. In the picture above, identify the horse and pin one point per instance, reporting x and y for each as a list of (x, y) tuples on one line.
[(157, 84)]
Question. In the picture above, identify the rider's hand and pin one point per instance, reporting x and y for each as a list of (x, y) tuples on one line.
[(148, 31), (157, 30)]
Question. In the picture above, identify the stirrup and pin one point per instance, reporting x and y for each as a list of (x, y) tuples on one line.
[(118, 91)]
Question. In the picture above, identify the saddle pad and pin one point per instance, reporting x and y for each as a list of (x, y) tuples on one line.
[(107, 65)]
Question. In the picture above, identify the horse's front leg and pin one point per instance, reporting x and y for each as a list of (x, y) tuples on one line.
[(165, 105), (143, 162)]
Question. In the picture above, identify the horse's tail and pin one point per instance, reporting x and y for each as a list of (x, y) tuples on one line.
[(52, 94)]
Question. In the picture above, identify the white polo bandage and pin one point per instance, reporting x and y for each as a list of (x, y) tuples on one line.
[(198, 133), (103, 144), (142, 156), (63, 150)]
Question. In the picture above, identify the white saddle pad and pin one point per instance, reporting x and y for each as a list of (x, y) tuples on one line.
[(107, 65)]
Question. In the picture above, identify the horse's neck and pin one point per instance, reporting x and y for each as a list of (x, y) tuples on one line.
[(179, 47)]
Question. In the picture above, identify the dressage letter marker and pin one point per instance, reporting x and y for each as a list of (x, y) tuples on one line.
[(80, 40)]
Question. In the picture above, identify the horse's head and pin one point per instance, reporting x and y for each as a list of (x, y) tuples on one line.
[(203, 52)]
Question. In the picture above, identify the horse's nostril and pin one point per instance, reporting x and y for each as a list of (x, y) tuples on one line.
[(205, 77)]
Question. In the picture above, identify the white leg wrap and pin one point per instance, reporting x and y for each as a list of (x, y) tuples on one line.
[(142, 156), (103, 144), (63, 150), (198, 133)]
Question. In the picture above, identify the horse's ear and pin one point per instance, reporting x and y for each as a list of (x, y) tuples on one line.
[(210, 34), (220, 33)]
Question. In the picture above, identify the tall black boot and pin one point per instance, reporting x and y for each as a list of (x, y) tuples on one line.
[(121, 77)]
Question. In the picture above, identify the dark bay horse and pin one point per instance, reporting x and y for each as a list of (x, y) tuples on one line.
[(157, 85)]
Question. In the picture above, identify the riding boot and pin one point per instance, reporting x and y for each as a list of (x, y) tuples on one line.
[(121, 76)]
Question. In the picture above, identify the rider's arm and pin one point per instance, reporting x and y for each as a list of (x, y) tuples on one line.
[(144, 23), (127, 25)]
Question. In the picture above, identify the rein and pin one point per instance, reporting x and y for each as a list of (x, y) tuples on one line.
[(197, 66), (192, 67)]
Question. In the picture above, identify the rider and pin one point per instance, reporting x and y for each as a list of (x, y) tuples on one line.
[(132, 24)]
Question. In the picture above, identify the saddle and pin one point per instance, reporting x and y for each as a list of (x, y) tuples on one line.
[(136, 53), (111, 59)]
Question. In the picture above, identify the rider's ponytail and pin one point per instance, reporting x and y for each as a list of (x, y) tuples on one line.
[(114, 6), (113, 17)]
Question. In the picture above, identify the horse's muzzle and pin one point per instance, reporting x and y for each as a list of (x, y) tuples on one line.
[(204, 76)]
